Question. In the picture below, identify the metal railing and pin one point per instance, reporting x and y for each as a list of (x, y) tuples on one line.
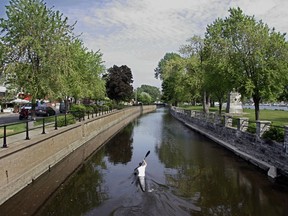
[(42, 123)]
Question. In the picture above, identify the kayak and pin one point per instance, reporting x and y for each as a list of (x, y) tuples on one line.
[(141, 180)]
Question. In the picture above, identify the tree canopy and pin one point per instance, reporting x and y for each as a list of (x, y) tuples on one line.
[(256, 54), (119, 83), (41, 55), (237, 52), (152, 91)]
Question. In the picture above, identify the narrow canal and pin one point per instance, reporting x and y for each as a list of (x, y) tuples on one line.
[(187, 174)]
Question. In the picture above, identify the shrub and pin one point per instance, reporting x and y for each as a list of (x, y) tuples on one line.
[(274, 133), (251, 128), (78, 110), (89, 109), (69, 120)]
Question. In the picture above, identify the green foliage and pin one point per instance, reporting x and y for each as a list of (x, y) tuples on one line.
[(171, 69), (41, 55), (70, 119), (153, 91), (118, 83), (84, 80), (36, 45), (144, 98), (78, 110), (251, 128), (111, 104), (89, 109), (274, 133), (254, 57)]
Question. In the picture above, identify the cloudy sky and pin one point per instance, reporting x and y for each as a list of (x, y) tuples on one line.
[(138, 33)]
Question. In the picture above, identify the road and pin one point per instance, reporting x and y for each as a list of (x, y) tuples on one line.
[(6, 118)]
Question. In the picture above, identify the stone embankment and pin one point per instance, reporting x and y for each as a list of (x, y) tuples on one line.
[(269, 156), (24, 161)]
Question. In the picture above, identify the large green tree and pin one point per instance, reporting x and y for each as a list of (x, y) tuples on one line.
[(256, 54), (84, 79), (217, 73), (171, 70), (36, 41), (193, 52), (119, 83), (153, 91)]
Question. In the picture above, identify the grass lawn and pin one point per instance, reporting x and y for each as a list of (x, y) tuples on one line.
[(277, 117), (13, 129)]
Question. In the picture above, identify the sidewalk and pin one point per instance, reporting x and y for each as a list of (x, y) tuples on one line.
[(17, 141)]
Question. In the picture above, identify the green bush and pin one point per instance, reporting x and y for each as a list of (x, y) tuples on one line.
[(78, 110), (89, 109), (274, 133), (70, 119), (234, 122), (251, 128), (105, 107)]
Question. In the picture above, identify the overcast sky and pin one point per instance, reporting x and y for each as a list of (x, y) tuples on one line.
[(138, 33)]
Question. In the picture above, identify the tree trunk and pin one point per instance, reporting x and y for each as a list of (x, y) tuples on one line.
[(256, 100), (220, 106), (33, 108), (206, 102)]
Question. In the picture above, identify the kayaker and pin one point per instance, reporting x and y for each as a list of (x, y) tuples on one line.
[(141, 169), (141, 175)]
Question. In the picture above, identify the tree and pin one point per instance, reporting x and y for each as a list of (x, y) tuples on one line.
[(217, 74), (153, 91), (118, 83), (171, 69), (256, 54), (36, 43), (84, 80), (144, 98), (193, 52)]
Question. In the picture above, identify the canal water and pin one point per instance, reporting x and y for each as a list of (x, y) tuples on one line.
[(187, 174)]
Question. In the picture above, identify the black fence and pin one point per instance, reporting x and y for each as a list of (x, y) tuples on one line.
[(41, 123)]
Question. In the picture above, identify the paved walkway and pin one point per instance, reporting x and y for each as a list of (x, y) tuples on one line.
[(18, 141)]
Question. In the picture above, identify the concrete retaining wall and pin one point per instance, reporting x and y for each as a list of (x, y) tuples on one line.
[(22, 165), (268, 155)]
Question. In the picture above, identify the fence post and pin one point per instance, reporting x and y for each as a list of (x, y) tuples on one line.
[(56, 125), (27, 131), (285, 139), (228, 121), (242, 124), (261, 127), (43, 126), (4, 138)]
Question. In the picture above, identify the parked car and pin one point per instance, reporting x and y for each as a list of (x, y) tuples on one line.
[(44, 111), (63, 108)]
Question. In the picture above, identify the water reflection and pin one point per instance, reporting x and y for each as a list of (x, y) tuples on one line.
[(187, 174)]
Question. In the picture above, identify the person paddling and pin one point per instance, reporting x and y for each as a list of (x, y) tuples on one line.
[(141, 169), (141, 174)]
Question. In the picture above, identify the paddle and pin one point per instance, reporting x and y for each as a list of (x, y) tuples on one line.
[(144, 158)]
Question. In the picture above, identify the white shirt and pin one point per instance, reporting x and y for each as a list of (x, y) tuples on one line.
[(141, 170)]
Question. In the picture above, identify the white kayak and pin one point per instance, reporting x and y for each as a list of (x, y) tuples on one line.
[(141, 180)]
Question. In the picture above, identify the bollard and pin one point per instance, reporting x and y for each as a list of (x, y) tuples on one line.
[(27, 131), (56, 125), (4, 138), (43, 126), (65, 119)]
